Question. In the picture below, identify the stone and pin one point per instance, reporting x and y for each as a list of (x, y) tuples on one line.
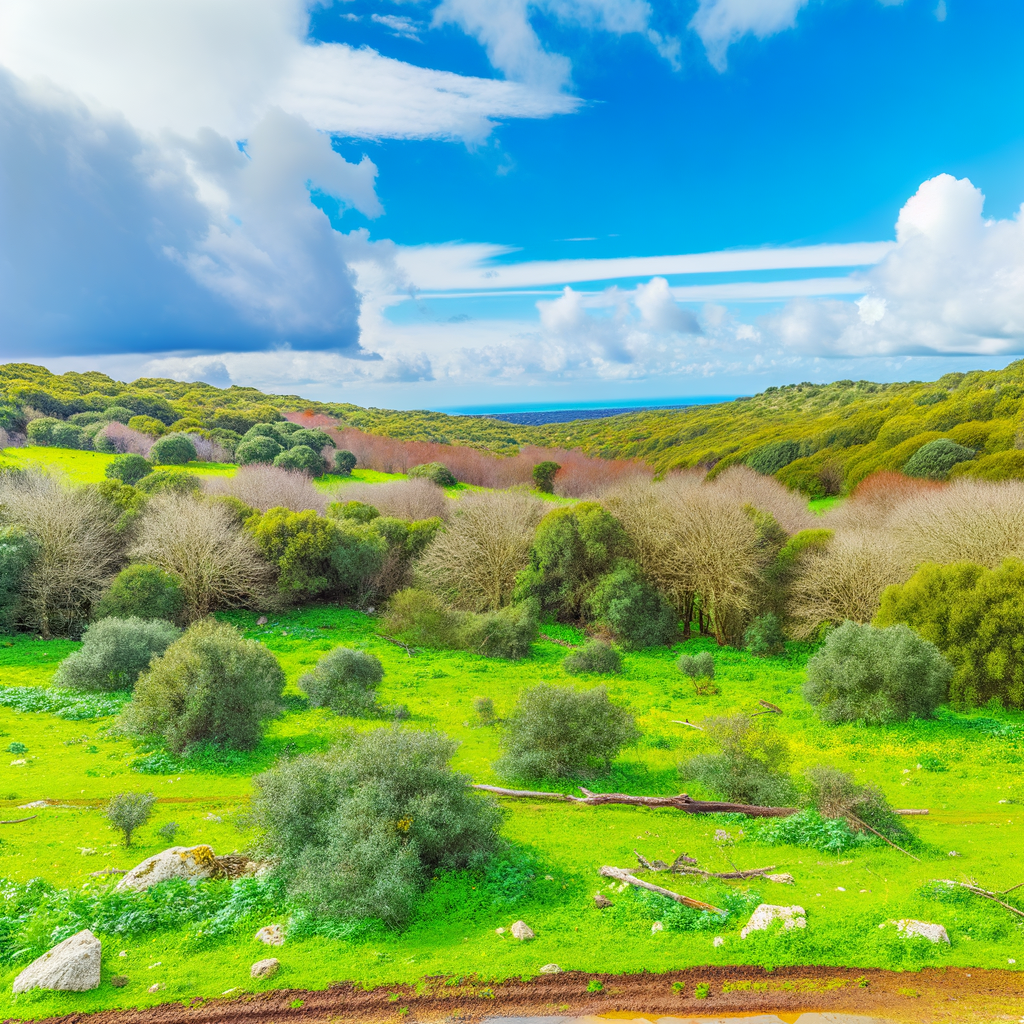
[(261, 621), (177, 862), (601, 901), (784, 879), (265, 968), (72, 966), (657, 927), (521, 930), (499, 931), (931, 932), (766, 913), (717, 941), (271, 935), (155, 988), (551, 969)]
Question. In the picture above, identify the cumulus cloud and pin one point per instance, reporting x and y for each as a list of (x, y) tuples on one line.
[(954, 284)]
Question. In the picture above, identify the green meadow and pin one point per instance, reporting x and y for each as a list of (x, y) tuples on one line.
[(965, 769)]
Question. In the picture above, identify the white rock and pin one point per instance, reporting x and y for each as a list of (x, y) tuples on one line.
[(73, 966), (264, 968), (521, 930), (261, 621), (657, 927), (551, 969), (839, 888), (766, 913), (499, 931), (931, 932), (33, 805), (156, 987), (272, 935), (124, 952), (176, 862), (717, 941), (783, 879)]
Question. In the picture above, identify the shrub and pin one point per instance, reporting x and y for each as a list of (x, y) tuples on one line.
[(128, 812), (357, 511), (344, 462), (572, 550), (484, 708), (301, 545), (435, 472), (634, 611), (40, 431), (345, 681), (422, 619), (117, 439), (402, 499), (301, 459), (935, 459), (878, 675), (544, 476), (835, 794), (361, 831), (975, 617), (764, 637), (474, 562), (17, 551), (558, 731), (118, 413), (771, 457), (357, 558), (114, 652), (257, 449), (507, 633), (315, 439), (129, 468), (145, 591), (172, 450), (264, 487), (147, 425), (700, 670), (751, 765), (173, 481), (595, 656), (168, 831), (211, 685)]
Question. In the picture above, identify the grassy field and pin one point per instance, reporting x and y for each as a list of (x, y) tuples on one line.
[(962, 768)]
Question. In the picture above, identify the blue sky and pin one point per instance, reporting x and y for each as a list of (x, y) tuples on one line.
[(464, 202)]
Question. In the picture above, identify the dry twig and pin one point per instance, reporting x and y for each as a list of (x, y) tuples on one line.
[(621, 875)]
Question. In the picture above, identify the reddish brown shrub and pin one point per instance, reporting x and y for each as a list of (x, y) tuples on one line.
[(403, 499), (264, 487)]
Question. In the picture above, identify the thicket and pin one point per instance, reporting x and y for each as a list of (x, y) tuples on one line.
[(114, 653), (595, 657), (144, 591), (361, 831), (344, 680)]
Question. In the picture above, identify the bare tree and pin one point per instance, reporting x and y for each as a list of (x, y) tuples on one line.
[(474, 562), (218, 564), (745, 486), (403, 499), (264, 487), (79, 550)]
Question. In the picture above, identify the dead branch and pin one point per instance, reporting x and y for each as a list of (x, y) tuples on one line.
[(682, 859), (18, 821), (690, 724), (621, 875), (863, 824), (924, 811), (682, 802), (411, 651), (769, 707), (555, 640), (644, 862), (1003, 892), (978, 891), (753, 873)]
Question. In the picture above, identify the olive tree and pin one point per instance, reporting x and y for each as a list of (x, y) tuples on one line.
[(114, 652)]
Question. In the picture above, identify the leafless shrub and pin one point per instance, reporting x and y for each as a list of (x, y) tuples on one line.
[(845, 580), (474, 562), (218, 563), (207, 450), (125, 440), (746, 486), (264, 487), (79, 550), (403, 499), (876, 499)]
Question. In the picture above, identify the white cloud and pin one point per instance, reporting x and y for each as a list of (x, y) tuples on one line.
[(954, 284), (720, 23), (399, 25), (659, 310)]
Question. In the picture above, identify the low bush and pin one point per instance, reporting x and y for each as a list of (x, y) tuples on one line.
[(700, 670), (558, 732), (634, 611), (544, 476), (344, 680), (764, 637), (56, 433), (435, 472), (114, 653), (301, 459), (878, 675), (211, 685), (422, 619), (18, 549), (67, 705), (128, 812), (172, 450), (313, 438), (257, 449), (484, 708), (301, 545), (358, 511), (129, 468), (595, 656), (173, 481), (835, 794), (147, 425), (935, 459), (360, 831), (750, 767), (344, 462), (507, 633)]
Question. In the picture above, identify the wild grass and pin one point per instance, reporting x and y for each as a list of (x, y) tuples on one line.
[(82, 467)]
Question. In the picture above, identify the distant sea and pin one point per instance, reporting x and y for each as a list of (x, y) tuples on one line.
[(536, 414)]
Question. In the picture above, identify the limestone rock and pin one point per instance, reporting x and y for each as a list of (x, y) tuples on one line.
[(261, 621), (155, 988), (551, 969), (601, 901), (72, 966), (657, 927), (717, 941), (931, 932), (521, 930), (265, 968), (272, 935), (766, 913), (177, 862), (785, 879)]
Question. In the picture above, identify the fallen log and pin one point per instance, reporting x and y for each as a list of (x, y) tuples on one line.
[(675, 721), (978, 891), (398, 643), (909, 811), (621, 875), (686, 865), (682, 802), (18, 821), (555, 640), (753, 873)]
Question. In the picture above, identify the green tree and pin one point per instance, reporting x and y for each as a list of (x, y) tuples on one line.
[(148, 425), (129, 469), (303, 459), (301, 545), (764, 637), (316, 439), (878, 675), (128, 812), (935, 459), (344, 680), (558, 732), (18, 549), (145, 591), (172, 450), (257, 449), (344, 462), (573, 549), (211, 685), (174, 481), (544, 476), (435, 472), (634, 611), (975, 617), (40, 431), (114, 653), (361, 831)]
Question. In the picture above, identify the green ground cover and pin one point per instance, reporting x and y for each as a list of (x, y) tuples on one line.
[(960, 767), (81, 467)]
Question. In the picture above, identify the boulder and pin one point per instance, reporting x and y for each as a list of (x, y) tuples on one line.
[(784, 879), (551, 969), (521, 930), (931, 932), (271, 935), (72, 966), (190, 862), (766, 913), (265, 968)]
